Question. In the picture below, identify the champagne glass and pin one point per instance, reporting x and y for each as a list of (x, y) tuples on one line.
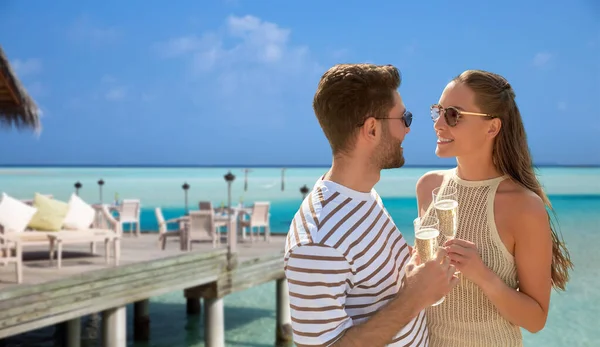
[(426, 236), (445, 202)]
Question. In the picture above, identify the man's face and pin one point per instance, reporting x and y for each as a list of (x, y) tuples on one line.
[(389, 153)]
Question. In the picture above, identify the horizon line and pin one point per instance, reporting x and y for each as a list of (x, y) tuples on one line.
[(272, 166)]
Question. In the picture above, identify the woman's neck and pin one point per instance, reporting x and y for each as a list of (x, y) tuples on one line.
[(476, 168)]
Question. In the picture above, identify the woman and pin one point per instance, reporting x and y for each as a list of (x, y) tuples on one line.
[(507, 254)]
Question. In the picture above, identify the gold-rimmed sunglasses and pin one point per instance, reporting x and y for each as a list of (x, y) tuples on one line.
[(452, 114)]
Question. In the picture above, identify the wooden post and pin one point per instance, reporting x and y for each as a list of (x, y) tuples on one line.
[(74, 332), (92, 327), (214, 322), (232, 235), (231, 226), (141, 320), (60, 334), (193, 306), (114, 327), (283, 330), (192, 298)]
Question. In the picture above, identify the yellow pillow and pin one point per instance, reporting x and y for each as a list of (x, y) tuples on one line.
[(49, 215)]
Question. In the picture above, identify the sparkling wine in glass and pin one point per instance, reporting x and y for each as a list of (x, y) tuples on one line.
[(445, 202), (426, 235)]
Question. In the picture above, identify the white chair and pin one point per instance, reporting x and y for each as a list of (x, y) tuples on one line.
[(207, 206), (163, 232), (110, 234), (7, 246), (259, 218), (129, 212), (75, 230), (202, 227)]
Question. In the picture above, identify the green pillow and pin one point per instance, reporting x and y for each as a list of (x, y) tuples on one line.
[(49, 215)]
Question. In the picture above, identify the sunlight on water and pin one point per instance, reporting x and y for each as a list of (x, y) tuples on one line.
[(162, 186)]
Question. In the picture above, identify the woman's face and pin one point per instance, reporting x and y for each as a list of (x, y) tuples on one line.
[(471, 131)]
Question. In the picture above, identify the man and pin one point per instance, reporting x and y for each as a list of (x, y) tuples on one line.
[(352, 278)]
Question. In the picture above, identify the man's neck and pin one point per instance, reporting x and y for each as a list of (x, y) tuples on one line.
[(358, 175), (476, 168)]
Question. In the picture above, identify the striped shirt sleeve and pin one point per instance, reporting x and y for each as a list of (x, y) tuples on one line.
[(319, 278)]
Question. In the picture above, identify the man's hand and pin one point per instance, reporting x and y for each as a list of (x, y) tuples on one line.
[(430, 280)]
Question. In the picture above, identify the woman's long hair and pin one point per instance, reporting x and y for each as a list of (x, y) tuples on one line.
[(495, 96)]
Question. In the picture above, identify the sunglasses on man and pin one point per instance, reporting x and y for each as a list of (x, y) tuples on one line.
[(407, 117)]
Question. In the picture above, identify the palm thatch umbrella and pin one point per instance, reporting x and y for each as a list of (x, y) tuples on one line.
[(17, 108)]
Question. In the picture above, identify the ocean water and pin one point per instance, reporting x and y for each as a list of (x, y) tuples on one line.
[(250, 315)]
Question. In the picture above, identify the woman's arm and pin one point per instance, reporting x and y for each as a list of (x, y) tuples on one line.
[(526, 307)]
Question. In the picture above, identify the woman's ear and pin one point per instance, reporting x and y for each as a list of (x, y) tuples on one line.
[(494, 128)]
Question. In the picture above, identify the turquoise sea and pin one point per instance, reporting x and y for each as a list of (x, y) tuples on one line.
[(250, 315)]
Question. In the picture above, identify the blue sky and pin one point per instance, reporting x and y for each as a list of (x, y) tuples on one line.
[(231, 81)]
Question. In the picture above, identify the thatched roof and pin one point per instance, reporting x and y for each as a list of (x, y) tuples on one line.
[(17, 108)]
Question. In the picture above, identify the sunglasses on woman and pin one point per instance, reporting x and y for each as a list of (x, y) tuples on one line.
[(452, 114)]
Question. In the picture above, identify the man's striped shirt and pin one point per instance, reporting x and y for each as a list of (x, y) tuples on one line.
[(344, 260)]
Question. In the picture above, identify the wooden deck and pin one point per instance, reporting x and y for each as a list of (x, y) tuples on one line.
[(86, 284)]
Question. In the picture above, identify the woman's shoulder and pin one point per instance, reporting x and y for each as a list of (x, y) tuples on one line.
[(431, 179), (519, 205), (516, 197)]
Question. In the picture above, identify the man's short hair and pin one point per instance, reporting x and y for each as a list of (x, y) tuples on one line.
[(350, 93)]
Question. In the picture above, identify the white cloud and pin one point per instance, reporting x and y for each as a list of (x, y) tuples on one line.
[(245, 41), (116, 93), (27, 67), (542, 59), (248, 59)]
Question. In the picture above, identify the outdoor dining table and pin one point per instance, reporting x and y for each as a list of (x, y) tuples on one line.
[(220, 216)]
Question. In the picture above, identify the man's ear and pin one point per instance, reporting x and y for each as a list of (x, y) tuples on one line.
[(369, 129)]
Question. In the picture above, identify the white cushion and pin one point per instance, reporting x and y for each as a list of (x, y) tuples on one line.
[(15, 214), (80, 215)]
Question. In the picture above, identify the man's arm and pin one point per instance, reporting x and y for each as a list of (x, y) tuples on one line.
[(424, 284), (318, 277), (383, 326)]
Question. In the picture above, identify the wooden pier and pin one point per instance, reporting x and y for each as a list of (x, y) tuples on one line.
[(87, 285)]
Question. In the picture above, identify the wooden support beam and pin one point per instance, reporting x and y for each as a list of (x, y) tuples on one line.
[(74, 332), (114, 327), (214, 323), (283, 328), (141, 320)]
